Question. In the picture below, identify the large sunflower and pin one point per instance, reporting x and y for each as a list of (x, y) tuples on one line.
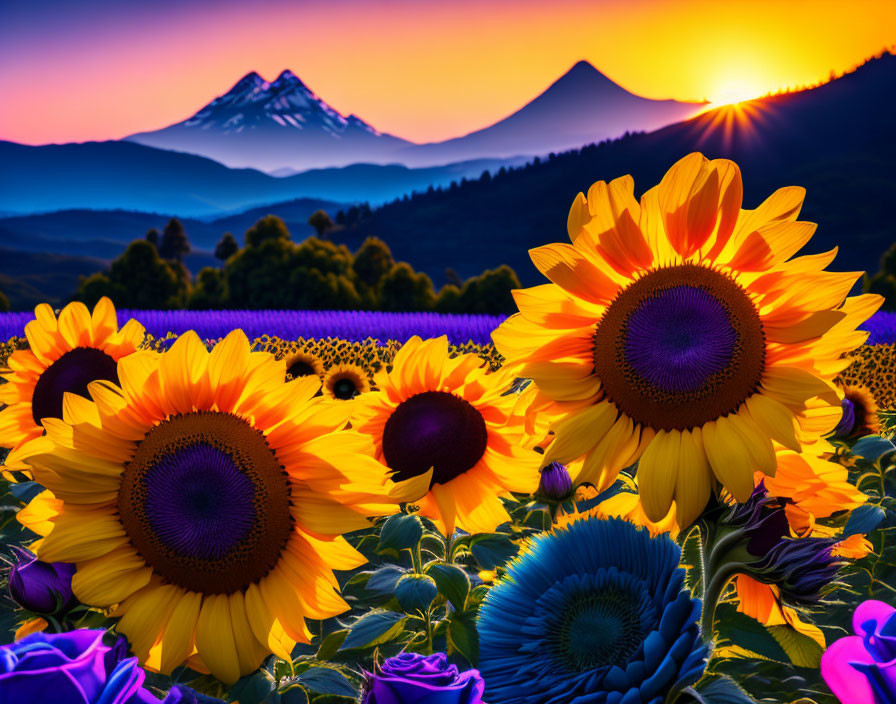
[(65, 355), (206, 497), (680, 332), (458, 419)]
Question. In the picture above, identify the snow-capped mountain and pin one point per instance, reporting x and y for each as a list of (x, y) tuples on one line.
[(282, 127), (274, 125)]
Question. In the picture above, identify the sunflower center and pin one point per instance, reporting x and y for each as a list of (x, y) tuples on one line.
[(434, 429), (679, 347), (299, 368), (206, 502), (600, 629), (345, 389), (71, 373)]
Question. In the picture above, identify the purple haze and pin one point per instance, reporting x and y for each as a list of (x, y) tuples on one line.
[(293, 324)]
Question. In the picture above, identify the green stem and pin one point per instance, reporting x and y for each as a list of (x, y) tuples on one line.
[(712, 594), (417, 559), (449, 549)]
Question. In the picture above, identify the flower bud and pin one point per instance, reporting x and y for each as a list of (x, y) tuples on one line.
[(41, 587), (555, 483)]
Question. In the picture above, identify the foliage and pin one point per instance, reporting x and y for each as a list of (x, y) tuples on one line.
[(226, 247), (139, 278)]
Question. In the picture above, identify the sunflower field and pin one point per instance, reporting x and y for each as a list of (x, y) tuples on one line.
[(667, 479)]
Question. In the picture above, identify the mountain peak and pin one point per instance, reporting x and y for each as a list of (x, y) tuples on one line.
[(248, 82), (288, 77)]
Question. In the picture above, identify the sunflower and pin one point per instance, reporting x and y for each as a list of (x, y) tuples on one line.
[(303, 363), (65, 355), (345, 381), (458, 419), (597, 612), (860, 413), (206, 498), (679, 332)]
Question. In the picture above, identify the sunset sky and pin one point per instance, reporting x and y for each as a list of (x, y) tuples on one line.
[(423, 70)]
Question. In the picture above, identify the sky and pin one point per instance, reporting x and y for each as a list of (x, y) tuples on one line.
[(424, 70)]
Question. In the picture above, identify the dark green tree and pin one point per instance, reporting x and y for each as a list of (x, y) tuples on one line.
[(448, 300), (270, 227), (372, 262), (152, 235), (139, 278), (209, 291), (884, 281), (226, 247), (4, 303), (490, 292), (403, 289), (321, 222), (174, 244)]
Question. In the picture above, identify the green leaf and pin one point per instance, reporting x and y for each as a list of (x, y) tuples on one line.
[(864, 519), (453, 584), (415, 592), (329, 646), (383, 580), (492, 550), (374, 628), (294, 695), (800, 648), (462, 635), (252, 689), (401, 532), (326, 680), (723, 690), (873, 447), (746, 632)]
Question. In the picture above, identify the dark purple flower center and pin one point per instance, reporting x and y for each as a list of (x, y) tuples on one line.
[(199, 502), (345, 389), (299, 368), (71, 373), (678, 338), (206, 502), (848, 420), (434, 429), (679, 347)]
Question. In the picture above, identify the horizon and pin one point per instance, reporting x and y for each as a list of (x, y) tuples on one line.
[(473, 65)]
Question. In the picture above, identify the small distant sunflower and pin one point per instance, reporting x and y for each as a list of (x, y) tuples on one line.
[(860, 413), (679, 332), (873, 367), (451, 416), (65, 355), (206, 497), (597, 612), (303, 363), (345, 381)]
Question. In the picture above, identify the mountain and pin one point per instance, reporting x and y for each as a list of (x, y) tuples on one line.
[(837, 140), (106, 233), (581, 107), (282, 127), (29, 278), (130, 176), (272, 125)]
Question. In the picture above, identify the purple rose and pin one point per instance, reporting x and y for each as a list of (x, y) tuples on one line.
[(861, 669), (76, 668), (423, 679), (41, 587)]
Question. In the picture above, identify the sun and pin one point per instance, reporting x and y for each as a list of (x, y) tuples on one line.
[(736, 85)]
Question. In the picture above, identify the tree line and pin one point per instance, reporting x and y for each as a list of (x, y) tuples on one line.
[(271, 271)]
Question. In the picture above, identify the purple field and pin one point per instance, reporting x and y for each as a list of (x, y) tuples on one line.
[(293, 324), (348, 325)]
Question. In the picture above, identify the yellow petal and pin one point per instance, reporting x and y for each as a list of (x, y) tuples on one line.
[(657, 472), (180, 632), (214, 638), (693, 484), (729, 457)]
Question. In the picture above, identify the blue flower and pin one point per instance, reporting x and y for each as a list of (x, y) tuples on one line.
[(595, 614)]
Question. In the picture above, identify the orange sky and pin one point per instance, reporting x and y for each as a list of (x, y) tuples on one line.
[(422, 70)]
